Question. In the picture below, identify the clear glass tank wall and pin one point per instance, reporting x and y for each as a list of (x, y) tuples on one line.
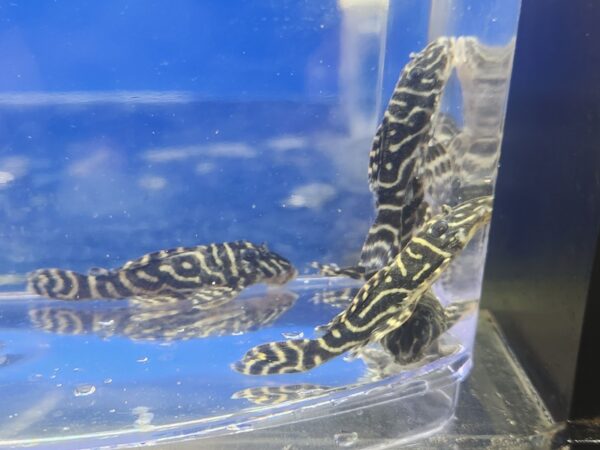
[(127, 128)]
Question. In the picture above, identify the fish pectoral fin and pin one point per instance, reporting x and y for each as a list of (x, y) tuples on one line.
[(153, 300), (212, 297), (333, 270), (202, 298)]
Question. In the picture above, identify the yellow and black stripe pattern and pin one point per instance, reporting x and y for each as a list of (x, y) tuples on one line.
[(385, 302), (333, 270), (208, 273), (165, 324), (275, 395), (395, 157)]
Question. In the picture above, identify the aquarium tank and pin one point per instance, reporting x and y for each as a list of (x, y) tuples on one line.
[(221, 220)]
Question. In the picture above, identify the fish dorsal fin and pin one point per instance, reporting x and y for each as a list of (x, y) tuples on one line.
[(158, 256)]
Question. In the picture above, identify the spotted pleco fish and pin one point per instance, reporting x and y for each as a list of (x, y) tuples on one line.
[(209, 275)]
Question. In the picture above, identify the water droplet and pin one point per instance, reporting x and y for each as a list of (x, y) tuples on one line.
[(66, 428), (84, 389), (107, 380), (346, 439), (143, 359), (293, 335), (112, 410)]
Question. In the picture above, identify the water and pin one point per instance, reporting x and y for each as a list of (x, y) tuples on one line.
[(189, 380), (223, 134)]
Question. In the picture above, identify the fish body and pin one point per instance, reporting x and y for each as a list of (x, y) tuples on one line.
[(396, 154), (385, 302), (206, 273)]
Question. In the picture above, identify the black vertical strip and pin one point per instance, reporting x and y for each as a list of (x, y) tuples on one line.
[(547, 208), (586, 392)]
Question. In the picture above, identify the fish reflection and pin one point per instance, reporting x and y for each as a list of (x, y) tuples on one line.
[(274, 395), (166, 324)]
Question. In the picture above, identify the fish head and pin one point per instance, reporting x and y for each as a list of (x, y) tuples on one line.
[(275, 268), (455, 227)]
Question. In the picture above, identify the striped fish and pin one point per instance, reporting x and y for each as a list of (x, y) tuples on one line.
[(385, 302), (208, 275), (396, 153), (410, 160)]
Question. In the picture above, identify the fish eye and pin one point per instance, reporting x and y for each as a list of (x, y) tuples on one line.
[(439, 228)]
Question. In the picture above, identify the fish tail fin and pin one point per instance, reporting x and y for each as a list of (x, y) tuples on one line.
[(291, 356), (64, 284)]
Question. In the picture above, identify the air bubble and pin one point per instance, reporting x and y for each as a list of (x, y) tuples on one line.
[(346, 439), (143, 359), (84, 389), (107, 380), (293, 335)]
